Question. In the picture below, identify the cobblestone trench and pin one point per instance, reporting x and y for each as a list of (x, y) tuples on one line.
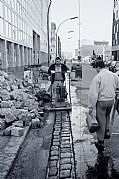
[(61, 163)]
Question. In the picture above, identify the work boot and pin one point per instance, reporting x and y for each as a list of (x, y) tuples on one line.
[(100, 146), (107, 134)]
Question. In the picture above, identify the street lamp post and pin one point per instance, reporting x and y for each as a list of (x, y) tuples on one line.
[(48, 31), (79, 30), (71, 31), (72, 18)]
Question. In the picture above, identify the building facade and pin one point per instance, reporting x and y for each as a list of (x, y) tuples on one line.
[(115, 31), (23, 32), (101, 48)]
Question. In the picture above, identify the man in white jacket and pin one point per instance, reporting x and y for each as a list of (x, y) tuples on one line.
[(101, 99)]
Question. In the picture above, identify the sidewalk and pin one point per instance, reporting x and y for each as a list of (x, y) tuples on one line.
[(10, 145), (112, 144)]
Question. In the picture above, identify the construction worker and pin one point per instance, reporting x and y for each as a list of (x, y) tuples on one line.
[(58, 76)]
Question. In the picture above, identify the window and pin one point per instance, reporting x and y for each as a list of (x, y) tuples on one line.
[(7, 28), (116, 35), (1, 9), (15, 23), (117, 27), (13, 4), (114, 29), (13, 18), (9, 15), (6, 13), (10, 31), (117, 14), (1, 26)]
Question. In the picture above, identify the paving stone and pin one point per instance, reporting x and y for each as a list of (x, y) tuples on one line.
[(56, 137), (53, 163), (65, 161), (65, 150), (54, 148), (65, 134), (65, 146), (53, 171), (56, 143), (66, 124), (56, 140), (66, 130), (54, 157), (53, 177), (66, 155), (57, 129), (56, 133), (66, 167), (63, 138), (65, 174), (66, 142), (54, 152), (58, 123)]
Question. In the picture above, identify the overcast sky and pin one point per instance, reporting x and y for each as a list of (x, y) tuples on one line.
[(95, 18)]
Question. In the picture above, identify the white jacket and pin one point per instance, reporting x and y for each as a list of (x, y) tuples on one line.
[(103, 87)]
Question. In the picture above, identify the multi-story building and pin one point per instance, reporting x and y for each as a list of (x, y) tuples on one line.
[(53, 41), (23, 32), (115, 31), (99, 47)]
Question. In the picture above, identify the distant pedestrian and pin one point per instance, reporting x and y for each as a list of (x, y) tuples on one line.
[(101, 99)]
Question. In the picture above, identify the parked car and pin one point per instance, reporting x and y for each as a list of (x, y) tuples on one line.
[(114, 67)]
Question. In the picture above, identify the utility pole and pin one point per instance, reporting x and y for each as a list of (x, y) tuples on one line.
[(79, 30), (48, 32)]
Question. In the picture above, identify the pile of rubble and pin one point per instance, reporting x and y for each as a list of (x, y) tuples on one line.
[(19, 106)]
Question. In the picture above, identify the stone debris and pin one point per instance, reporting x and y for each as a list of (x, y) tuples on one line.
[(20, 105), (2, 124), (17, 131), (35, 123)]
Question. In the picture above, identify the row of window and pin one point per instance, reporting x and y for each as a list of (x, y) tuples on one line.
[(115, 3), (115, 42), (28, 15), (29, 9), (116, 28), (15, 33)]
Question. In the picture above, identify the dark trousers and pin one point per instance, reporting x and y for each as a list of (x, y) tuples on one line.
[(103, 110)]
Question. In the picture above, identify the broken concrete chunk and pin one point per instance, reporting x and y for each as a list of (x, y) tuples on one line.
[(7, 131), (9, 117), (19, 105), (35, 123), (6, 104), (2, 124), (18, 124), (17, 131)]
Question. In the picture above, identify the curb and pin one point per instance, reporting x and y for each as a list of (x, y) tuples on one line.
[(10, 152)]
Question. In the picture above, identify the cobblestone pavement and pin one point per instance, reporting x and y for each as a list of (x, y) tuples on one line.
[(61, 158)]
